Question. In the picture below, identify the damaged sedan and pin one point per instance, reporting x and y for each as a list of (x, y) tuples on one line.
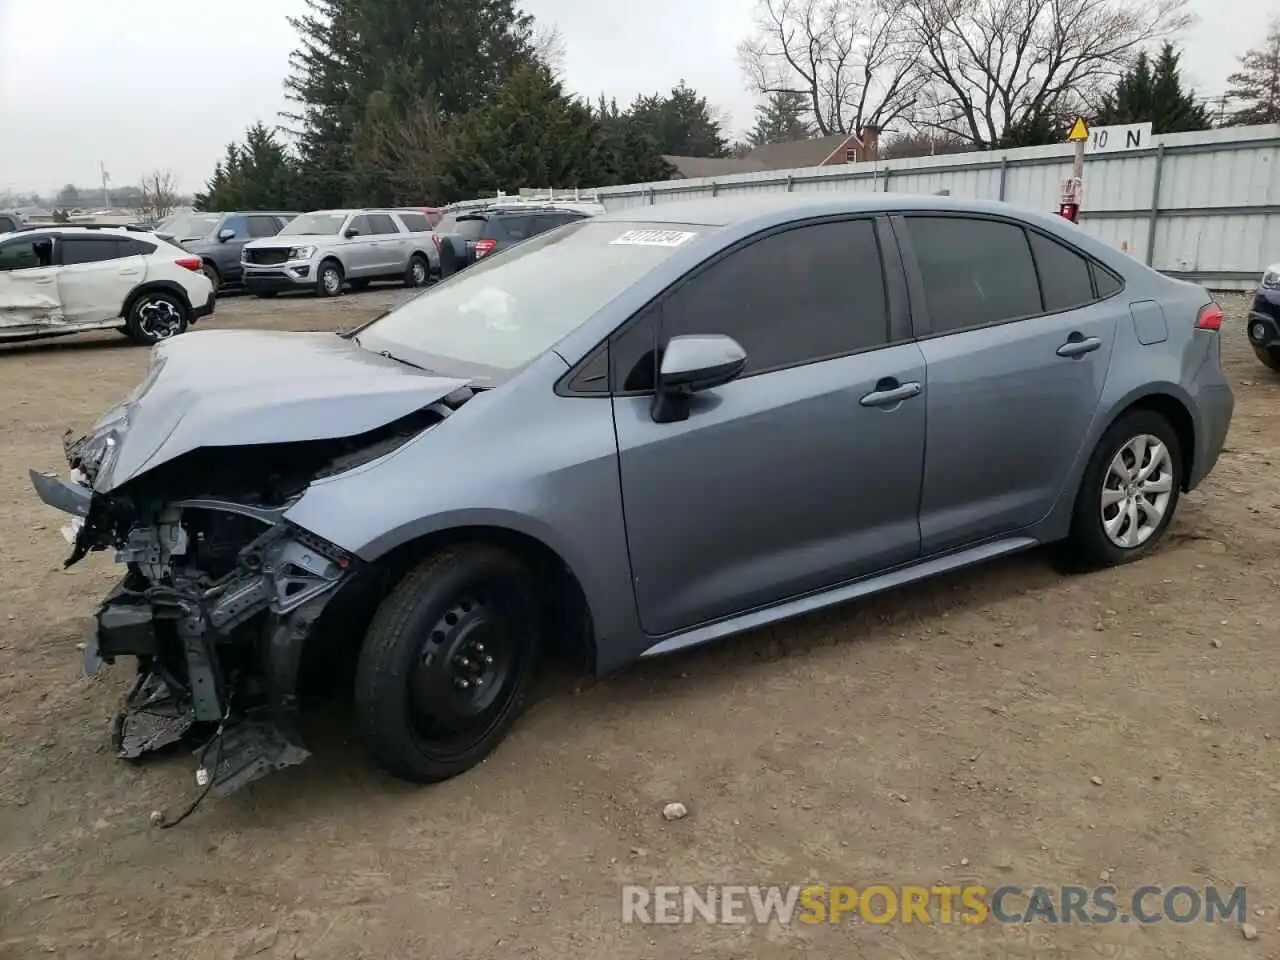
[(623, 437)]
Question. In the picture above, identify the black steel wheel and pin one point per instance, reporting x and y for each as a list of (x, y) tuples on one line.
[(447, 663)]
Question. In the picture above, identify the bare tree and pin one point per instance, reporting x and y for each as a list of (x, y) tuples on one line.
[(852, 60), (548, 46), (159, 195), (1257, 82), (1004, 70)]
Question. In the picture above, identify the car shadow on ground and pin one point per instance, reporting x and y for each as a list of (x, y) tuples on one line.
[(69, 344), (339, 765)]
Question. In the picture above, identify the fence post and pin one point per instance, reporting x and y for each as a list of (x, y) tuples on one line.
[(1154, 217), (791, 184), (1004, 176), (715, 188), (651, 196), (887, 174)]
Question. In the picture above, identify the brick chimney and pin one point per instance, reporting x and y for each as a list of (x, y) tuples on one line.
[(870, 138)]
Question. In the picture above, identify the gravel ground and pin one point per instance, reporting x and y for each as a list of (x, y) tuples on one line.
[(1006, 725)]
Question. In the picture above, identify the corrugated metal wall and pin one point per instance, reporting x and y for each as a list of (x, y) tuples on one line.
[(1201, 205)]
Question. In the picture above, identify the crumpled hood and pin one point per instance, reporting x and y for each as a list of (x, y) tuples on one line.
[(227, 388)]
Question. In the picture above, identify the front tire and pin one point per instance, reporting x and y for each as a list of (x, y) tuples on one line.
[(156, 315), (1270, 357), (210, 271), (447, 663), (1128, 493), (329, 279)]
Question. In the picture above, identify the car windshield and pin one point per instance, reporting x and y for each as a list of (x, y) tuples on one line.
[(189, 226), (505, 311), (314, 225)]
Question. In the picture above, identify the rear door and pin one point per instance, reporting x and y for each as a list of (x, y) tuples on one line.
[(391, 251), (1017, 342), (796, 476), (95, 279), (29, 294)]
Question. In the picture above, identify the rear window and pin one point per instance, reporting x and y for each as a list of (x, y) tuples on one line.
[(469, 228)]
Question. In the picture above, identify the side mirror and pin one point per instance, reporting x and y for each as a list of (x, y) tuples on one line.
[(691, 364), (225, 234), (351, 232)]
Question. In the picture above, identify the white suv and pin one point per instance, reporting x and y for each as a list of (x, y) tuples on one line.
[(58, 280)]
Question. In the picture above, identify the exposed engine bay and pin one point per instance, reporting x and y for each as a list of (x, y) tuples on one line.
[(221, 593)]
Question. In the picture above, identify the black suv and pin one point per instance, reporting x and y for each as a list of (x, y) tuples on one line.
[(464, 236), (218, 238)]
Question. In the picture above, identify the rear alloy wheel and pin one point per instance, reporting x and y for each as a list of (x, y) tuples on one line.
[(448, 662), (1129, 491), (329, 279), (156, 316), (417, 272)]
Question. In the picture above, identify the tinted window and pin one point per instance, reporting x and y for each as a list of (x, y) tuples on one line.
[(360, 224), (88, 250), (26, 254), (262, 226), (131, 247), (7, 223), (974, 271), (520, 227), (415, 222), (1106, 282), (469, 228), (800, 295), (239, 224), (381, 224), (1064, 274)]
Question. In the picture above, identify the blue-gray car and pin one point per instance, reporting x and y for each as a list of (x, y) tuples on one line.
[(627, 436)]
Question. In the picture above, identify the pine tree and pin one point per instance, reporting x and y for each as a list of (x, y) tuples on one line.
[(1257, 82), (779, 119), (1155, 94), (531, 135), (632, 155), (681, 124), (256, 174)]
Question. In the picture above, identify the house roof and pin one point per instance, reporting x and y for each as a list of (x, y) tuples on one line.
[(787, 155)]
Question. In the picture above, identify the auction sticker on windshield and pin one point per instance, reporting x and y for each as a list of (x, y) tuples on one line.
[(655, 238)]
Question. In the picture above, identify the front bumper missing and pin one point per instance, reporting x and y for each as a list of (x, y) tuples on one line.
[(181, 629)]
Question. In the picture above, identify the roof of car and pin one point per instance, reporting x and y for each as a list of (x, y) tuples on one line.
[(722, 211)]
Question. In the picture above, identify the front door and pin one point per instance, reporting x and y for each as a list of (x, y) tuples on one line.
[(359, 252), (390, 245), (793, 477), (95, 280), (28, 283), (1017, 346)]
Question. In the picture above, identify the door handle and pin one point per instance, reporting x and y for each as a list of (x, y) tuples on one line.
[(1078, 345), (889, 392)]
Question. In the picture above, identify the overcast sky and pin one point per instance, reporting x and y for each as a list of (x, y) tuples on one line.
[(143, 84)]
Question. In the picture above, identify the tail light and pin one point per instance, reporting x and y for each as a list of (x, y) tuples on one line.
[(1209, 318), (194, 264), (484, 247)]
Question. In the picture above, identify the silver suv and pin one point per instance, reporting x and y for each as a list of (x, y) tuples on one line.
[(328, 249)]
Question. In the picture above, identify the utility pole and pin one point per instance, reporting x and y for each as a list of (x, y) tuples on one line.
[(106, 178), (1073, 189)]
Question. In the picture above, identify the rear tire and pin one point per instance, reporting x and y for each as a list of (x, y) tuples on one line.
[(418, 272), (1270, 357), (1128, 494), (447, 663), (210, 271), (156, 315), (329, 279)]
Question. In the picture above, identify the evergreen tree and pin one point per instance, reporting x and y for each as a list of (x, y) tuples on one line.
[(256, 174), (681, 124), (1154, 92), (531, 135), (632, 155), (1257, 82), (779, 119)]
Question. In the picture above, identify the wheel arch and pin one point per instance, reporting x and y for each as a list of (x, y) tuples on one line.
[(1173, 406)]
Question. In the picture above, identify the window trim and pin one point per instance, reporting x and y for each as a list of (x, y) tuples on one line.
[(922, 322), (897, 312)]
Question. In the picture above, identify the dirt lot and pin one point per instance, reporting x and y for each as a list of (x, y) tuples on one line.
[(1005, 725)]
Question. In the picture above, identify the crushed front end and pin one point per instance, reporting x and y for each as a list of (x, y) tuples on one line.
[(220, 593)]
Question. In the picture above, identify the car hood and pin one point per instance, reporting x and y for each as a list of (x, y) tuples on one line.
[(229, 388), (291, 240)]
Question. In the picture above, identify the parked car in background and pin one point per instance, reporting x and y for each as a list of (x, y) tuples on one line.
[(327, 249), (1264, 318), (11, 220), (58, 280), (467, 235), (634, 434), (433, 214), (218, 238)]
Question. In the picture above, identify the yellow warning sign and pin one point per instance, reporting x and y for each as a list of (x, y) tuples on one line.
[(1079, 131)]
